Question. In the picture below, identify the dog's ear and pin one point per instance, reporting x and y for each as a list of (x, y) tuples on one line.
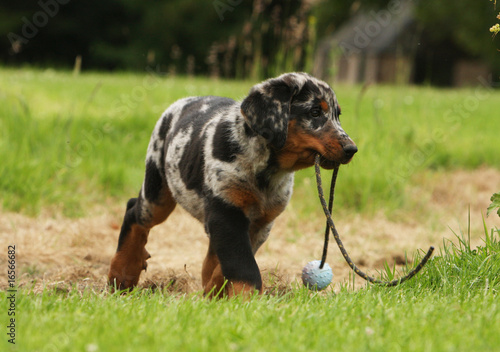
[(267, 107)]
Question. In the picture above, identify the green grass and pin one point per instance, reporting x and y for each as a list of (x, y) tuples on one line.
[(69, 142), (452, 305), (366, 321)]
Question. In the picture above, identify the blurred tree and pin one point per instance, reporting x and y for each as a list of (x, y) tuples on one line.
[(331, 14), (114, 34), (242, 38), (49, 32), (462, 21), (277, 37), (175, 30)]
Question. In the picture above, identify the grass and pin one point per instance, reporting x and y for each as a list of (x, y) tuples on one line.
[(63, 137), (68, 141), (452, 306), (368, 321)]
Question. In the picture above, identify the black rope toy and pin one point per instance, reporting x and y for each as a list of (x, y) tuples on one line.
[(308, 274)]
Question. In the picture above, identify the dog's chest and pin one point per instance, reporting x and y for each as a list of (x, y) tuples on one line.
[(195, 173)]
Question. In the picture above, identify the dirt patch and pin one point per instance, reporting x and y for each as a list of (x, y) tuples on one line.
[(53, 251)]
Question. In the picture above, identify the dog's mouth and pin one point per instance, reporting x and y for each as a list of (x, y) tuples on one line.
[(329, 159), (330, 163)]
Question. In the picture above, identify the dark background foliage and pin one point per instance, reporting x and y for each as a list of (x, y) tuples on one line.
[(231, 38)]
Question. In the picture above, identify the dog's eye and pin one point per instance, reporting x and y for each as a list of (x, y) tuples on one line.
[(315, 112)]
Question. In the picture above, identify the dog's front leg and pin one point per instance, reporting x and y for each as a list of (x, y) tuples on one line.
[(230, 256)]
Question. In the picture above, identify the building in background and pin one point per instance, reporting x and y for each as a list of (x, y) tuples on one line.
[(390, 46)]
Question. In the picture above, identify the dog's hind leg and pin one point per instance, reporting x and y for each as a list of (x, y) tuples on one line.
[(152, 207)]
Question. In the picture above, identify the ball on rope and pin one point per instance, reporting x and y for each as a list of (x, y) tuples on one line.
[(314, 278)]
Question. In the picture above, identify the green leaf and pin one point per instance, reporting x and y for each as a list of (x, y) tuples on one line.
[(495, 204)]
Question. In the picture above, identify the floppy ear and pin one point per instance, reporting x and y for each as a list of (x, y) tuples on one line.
[(267, 108)]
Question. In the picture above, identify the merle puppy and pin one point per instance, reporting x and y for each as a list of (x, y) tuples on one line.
[(230, 164)]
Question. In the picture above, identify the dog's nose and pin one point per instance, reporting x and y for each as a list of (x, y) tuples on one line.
[(350, 149)]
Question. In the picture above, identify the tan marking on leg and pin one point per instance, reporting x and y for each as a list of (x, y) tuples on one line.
[(213, 287), (209, 264), (215, 284), (163, 209), (130, 260), (239, 288), (128, 263)]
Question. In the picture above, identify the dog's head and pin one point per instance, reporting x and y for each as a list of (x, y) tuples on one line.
[(299, 116)]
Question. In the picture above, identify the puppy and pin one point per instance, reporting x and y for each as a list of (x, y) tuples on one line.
[(231, 165)]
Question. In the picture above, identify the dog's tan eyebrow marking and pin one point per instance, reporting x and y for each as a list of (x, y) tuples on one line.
[(324, 105)]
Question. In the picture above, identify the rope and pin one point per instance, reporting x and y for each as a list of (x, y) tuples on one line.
[(330, 206), (331, 226)]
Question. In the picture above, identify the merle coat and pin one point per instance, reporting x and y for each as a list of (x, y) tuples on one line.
[(231, 164)]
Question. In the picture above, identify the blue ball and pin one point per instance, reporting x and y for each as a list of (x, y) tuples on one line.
[(314, 278)]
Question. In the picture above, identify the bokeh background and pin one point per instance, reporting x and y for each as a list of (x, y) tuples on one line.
[(445, 43), (83, 83)]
